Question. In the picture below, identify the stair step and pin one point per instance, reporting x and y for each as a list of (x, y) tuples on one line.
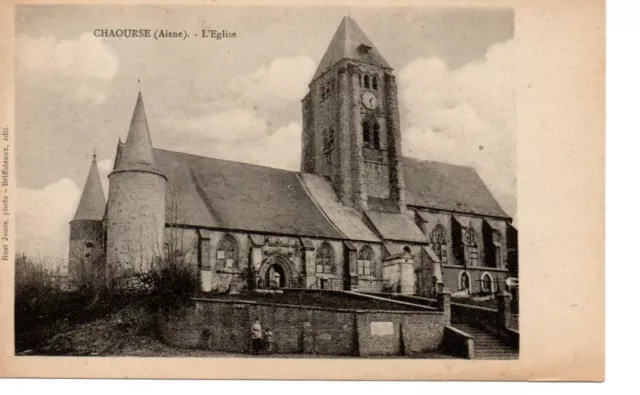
[(496, 346), (498, 349), (494, 353), (487, 345)]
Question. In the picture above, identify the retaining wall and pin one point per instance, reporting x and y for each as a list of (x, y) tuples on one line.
[(224, 325)]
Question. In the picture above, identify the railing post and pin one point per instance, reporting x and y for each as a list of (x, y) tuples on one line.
[(471, 348), (439, 287), (504, 310), (444, 304)]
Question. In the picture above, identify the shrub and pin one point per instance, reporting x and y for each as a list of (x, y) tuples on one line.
[(170, 283), (44, 307), (40, 302)]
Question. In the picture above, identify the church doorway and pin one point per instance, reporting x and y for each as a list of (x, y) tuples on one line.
[(276, 277), (276, 272)]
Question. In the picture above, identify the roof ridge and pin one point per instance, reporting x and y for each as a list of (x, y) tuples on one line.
[(438, 162), (225, 160), (313, 200)]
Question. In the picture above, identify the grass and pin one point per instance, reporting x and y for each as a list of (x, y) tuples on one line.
[(490, 304), (316, 299)]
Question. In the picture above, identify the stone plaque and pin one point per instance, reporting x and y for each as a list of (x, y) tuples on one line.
[(379, 328)]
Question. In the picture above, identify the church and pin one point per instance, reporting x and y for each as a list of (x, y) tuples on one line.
[(357, 216)]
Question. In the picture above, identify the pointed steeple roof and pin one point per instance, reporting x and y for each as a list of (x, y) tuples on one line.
[(350, 42), (137, 151), (92, 202)]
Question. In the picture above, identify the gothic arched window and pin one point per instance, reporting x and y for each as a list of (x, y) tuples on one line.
[(376, 136), (374, 83), (366, 134), (366, 81), (439, 243), (227, 253), (497, 245), (364, 261), (471, 248), (324, 259)]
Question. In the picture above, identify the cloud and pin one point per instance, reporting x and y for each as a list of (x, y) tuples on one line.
[(280, 149), (240, 126), (272, 149), (104, 168), (285, 78), (85, 65), (464, 116), (42, 219), (229, 125)]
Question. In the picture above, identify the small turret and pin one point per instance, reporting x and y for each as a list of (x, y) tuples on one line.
[(86, 247), (136, 209)]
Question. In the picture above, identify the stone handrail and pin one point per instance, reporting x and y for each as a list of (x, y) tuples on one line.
[(458, 343)]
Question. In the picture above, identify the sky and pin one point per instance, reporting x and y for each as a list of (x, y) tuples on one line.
[(239, 99)]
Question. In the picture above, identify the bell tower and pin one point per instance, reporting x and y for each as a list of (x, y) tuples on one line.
[(351, 124)]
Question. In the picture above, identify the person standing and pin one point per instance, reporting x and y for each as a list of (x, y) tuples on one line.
[(256, 336), (268, 341)]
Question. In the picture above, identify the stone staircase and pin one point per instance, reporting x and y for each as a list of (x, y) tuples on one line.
[(486, 344)]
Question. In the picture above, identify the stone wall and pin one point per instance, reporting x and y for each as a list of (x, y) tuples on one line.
[(341, 110), (451, 276), (302, 262), (476, 222), (458, 343), (136, 220), (304, 330), (398, 333), (86, 252)]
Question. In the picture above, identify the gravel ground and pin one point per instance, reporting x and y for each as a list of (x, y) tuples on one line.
[(146, 347)]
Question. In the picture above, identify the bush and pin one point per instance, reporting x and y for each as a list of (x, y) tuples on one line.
[(40, 302), (171, 284), (44, 307)]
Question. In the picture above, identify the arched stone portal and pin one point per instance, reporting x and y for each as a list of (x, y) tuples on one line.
[(276, 271)]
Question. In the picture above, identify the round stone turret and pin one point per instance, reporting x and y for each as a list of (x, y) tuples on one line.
[(86, 239), (136, 206)]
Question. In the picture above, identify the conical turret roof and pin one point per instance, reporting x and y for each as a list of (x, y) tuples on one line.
[(92, 202), (350, 42), (137, 151)]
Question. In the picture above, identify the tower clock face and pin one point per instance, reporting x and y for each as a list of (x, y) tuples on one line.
[(369, 100)]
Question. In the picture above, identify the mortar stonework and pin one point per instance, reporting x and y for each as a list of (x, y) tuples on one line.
[(136, 220), (356, 172), (86, 251)]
